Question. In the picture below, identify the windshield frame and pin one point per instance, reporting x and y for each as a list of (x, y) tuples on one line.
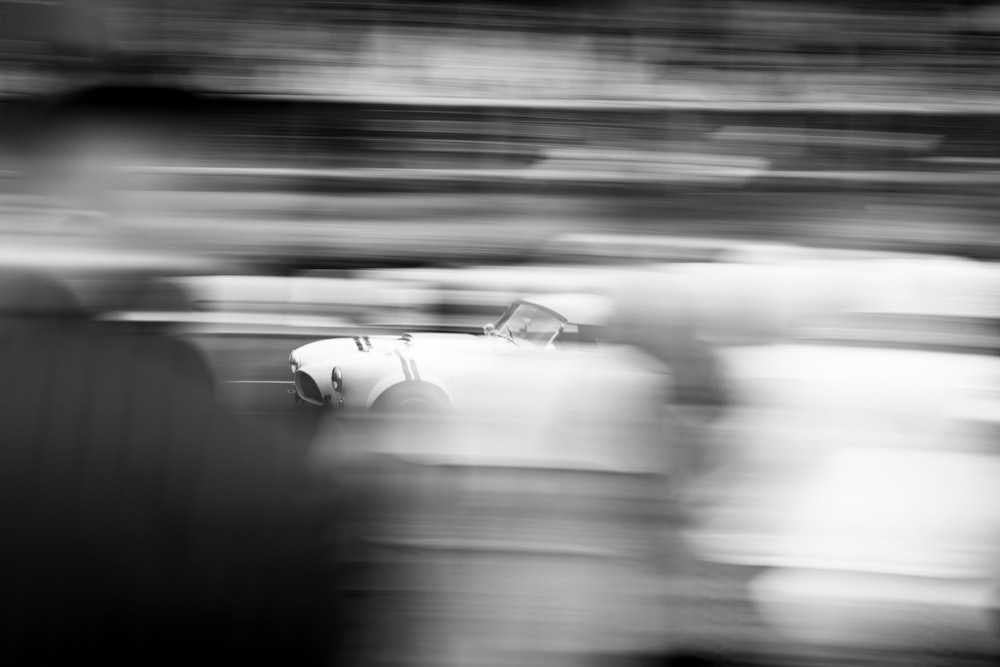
[(506, 316)]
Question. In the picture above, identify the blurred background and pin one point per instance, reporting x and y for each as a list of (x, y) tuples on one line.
[(500, 125), (791, 205)]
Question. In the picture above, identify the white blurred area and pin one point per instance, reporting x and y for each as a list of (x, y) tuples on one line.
[(858, 463), (523, 528), (887, 548)]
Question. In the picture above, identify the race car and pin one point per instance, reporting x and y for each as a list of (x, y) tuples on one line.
[(420, 372)]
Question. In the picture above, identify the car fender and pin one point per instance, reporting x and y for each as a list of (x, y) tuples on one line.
[(418, 384), (415, 367), (363, 373), (395, 380), (447, 373)]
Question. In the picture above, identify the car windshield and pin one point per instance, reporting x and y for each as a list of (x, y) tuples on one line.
[(526, 324)]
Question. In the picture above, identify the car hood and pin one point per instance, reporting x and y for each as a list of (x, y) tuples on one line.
[(419, 343)]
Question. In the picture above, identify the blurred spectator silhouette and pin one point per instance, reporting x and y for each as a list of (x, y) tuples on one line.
[(655, 314), (142, 524)]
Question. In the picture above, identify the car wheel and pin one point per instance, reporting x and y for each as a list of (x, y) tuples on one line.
[(412, 399)]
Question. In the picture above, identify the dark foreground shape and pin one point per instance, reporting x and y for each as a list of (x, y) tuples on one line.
[(141, 523)]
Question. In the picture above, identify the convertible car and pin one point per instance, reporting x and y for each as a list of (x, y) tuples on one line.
[(420, 372)]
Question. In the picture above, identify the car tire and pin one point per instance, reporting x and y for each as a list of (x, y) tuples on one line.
[(412, 398)]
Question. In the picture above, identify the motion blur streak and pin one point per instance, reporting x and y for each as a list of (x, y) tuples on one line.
[(774, 442)]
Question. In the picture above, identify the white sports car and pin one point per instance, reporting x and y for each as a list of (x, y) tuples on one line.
[(418, 372)]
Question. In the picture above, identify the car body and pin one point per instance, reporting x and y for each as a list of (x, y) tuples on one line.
[(422, 371)]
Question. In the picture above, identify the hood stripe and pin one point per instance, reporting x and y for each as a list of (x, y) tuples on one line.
[(404, 365)]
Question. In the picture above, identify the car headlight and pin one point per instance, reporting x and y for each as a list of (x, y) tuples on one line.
[(293, 361), (337, 379)]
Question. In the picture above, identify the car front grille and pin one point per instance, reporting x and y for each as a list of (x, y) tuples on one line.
[(307, 387)]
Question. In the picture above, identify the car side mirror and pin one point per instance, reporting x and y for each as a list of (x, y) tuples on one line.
[(489, 328)]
